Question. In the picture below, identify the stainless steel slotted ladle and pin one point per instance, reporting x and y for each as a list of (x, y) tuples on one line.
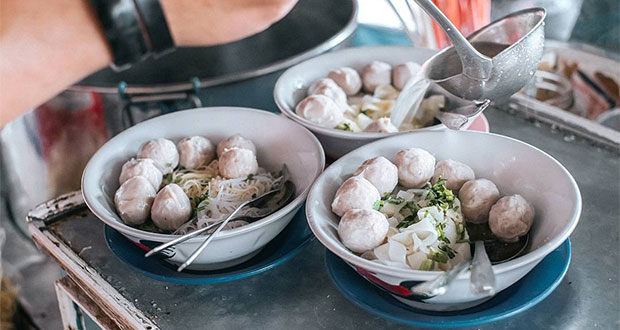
[(475, 65), (514, 44)]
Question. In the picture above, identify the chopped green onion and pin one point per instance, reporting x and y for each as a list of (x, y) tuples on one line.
[(448, 250), (427, 264), (345, 127), (395, 200), (408, 221), (377, 205), (439, 256), (460, 229)]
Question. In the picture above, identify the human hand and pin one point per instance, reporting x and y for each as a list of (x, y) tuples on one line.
[(210, 22)]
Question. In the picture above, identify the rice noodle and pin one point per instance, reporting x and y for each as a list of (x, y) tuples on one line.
[(214, 197)]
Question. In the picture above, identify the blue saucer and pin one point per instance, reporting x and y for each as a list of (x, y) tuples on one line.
[(283, 247), (524, 294)]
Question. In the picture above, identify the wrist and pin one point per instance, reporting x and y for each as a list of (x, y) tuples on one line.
[(173, 11)]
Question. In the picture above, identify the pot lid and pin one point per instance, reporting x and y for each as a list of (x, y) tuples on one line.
[(312, 27)]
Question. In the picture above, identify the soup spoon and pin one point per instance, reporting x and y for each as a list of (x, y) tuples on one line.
[(482, 279), (500, 252)]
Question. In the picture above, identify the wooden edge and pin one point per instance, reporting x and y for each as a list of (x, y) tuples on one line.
[(122, 312), (46, 212), (70, 318), (69, 294)]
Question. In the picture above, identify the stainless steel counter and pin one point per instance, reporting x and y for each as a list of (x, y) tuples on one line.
[(300, 295)]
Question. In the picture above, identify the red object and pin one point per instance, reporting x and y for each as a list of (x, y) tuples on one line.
[(467, 15), (480, 124), (396, 289), (58, 118)]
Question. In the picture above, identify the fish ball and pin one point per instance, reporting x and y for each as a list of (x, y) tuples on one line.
[(415, 167), (320, 110), (362, 230), (195, 151), (235, 141), (380, 172), (511, 217), (144, 167), (133, 200), (355, 193), (348, 79), (477, 197), (455, 173), (381, 125), (330, 89), (163, 152), (402, 73), (171, 208), (237, 163), (375, 74)]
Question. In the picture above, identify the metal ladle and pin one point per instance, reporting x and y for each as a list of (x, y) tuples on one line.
[(475, 65), (494, 62)]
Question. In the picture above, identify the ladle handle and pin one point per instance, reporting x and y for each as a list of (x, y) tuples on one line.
[(475, 65)]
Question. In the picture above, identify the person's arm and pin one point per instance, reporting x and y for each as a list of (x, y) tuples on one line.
[(45, 46)]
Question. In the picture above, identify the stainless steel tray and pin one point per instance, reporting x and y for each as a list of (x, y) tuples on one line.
[(591, 59), (300, 294)]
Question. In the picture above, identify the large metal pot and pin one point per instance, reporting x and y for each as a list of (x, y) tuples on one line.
[(44, 152)]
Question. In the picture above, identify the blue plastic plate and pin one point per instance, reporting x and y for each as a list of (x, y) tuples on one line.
[(524, 294), (287, 244)]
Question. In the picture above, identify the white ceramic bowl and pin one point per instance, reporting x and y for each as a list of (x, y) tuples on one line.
[(514, 166), (300, 151), (291, 88)]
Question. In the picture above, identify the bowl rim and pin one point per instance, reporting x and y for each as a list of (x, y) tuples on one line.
[(283, 80), (142, 234), (530, 257)]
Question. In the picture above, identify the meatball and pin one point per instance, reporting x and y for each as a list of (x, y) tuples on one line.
[(375, 74), (330, 89), (235, 141), (381, 125), (141, 167), (402, 73), (455, 173), (355, 193), (380, 172), (163, 152), (511, 217), (320, 110), (195, 151), (477, 197), (362, 230), (133, 200), (237, 163), (415, 167), (171, 208), (348, 79)]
